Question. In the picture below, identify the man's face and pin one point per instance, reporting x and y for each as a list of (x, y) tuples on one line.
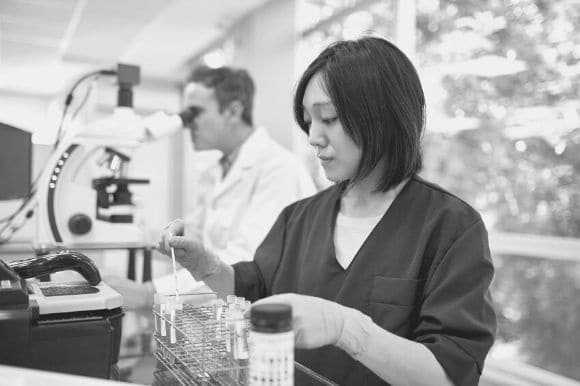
[(209, 128)]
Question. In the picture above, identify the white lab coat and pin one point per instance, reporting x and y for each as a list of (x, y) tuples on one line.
[(231, 216)]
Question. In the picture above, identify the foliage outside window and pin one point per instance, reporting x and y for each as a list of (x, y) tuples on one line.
[(502, 79), (505, 136)]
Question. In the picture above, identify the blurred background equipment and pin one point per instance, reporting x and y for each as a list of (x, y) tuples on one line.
[(15, 176), (15, 162), (69, 327)]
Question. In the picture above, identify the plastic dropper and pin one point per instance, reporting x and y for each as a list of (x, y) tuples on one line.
[(175, 275)]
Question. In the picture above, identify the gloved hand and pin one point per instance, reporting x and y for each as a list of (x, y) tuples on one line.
[(317, 322), (189, 252)]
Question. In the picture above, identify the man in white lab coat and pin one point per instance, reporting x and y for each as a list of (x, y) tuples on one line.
[(238, 197)]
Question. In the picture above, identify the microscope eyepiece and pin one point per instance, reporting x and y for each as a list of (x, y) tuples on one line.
[(188, 114)]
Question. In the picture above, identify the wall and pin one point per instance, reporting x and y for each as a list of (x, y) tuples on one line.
[(265, 44)]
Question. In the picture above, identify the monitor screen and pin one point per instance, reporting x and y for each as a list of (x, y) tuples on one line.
[(15, 162)]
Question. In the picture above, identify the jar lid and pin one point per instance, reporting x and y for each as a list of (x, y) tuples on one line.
[(271, 317)]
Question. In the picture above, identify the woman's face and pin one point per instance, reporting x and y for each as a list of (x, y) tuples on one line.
[(338, 154)]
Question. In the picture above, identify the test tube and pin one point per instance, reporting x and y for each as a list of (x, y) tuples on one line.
[(157, 310), (241, 336), (218, 315), (230, 331), (173, 313), (216, 309)]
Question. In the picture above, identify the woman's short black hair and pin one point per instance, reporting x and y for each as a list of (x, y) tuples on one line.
[(229, 84), (379, 101)]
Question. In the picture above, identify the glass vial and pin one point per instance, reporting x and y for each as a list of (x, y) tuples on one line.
[(271, 344)]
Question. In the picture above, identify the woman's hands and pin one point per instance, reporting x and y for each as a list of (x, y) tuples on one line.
[(189, 252), (320, 322), (317, 322)]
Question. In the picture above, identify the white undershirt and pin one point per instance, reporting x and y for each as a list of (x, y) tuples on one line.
[(349, 235), (351, 232)]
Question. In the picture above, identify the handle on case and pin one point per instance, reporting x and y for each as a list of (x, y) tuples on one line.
[(61, 261)]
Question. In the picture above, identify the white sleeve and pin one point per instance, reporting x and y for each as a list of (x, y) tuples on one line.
[(278, 186)]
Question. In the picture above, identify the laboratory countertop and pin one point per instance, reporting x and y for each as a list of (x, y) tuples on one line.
[(16, 247), (28, 246), (18, 376)]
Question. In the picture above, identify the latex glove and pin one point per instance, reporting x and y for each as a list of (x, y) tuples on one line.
[(317, 322), (189, 252), (135, 295)]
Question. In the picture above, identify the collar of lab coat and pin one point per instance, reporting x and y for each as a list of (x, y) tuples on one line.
[(246, 160)]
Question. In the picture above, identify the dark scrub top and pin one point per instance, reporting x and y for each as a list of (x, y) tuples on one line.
[(422, 273)]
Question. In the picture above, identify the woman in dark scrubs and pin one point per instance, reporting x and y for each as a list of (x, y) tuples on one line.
[(387, 274)]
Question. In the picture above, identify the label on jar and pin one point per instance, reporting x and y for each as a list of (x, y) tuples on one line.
[(271, 359)]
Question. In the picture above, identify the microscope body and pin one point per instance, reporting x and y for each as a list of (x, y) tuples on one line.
[(84, 193)]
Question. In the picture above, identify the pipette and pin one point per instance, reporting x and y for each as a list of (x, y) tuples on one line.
[(175, 275)]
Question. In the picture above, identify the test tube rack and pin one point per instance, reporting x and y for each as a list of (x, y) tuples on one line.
[(197, 348)]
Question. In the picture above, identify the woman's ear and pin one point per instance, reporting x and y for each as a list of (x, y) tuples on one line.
[(236, 109)]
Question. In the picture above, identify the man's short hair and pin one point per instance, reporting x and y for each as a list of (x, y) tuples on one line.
[(229, 84), (379, 101)]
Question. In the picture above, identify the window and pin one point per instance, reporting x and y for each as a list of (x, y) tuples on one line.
[(502, 80), (504, 134)]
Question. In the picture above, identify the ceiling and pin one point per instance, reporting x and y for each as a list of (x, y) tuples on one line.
[(46, 44)]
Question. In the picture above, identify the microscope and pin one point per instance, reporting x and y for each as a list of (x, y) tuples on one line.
[(84, 194)]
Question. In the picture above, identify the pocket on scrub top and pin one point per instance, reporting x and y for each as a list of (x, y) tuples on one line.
[(393, 301)]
